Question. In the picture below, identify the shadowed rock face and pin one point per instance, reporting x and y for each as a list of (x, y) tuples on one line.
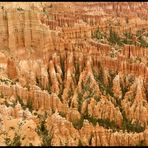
[(66, 82)]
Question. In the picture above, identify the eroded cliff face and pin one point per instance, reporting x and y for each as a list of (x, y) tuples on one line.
[(62, 83), (22, 32)]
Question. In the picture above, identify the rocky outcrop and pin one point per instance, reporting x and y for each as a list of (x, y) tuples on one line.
[(22, 28), (11, 69), (65, 134)]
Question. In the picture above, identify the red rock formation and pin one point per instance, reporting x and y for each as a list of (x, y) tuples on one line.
[(11, 69)]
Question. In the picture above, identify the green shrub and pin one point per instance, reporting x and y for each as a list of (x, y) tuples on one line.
[(15, 142), (127, 39), (108, 124), (49, 88), (43, 132), (143, 43), (80, 101), (77, 72), (78, 124), (61, 91), (98, 34), (127, 125), (29, 105), (20, 9), (20, 101), (49, 82), (63, 114), (63, 68), (97, 98), (114, 38)]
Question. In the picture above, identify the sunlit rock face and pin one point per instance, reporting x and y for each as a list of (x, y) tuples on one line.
[(73, 74)]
